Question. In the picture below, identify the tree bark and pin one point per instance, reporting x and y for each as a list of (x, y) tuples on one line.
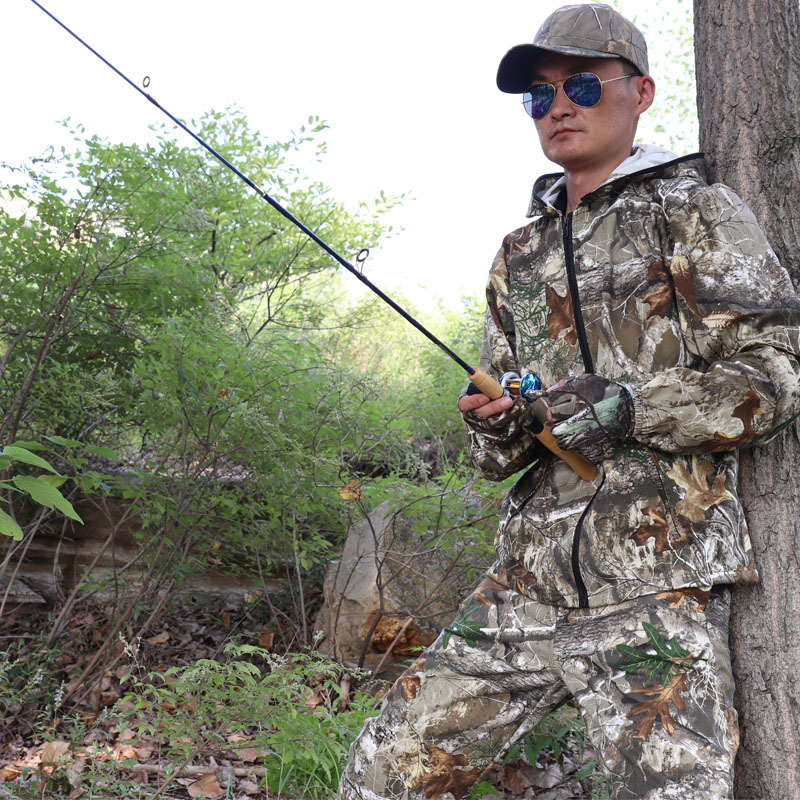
[(748, 83)]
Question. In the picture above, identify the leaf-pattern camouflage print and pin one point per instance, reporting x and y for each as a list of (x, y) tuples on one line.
[(460, 707), (682, 299)]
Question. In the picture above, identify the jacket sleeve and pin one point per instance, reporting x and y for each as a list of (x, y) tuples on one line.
[(740, 323), (503, 444)]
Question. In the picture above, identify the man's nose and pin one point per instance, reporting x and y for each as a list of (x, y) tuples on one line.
[(561, 105)]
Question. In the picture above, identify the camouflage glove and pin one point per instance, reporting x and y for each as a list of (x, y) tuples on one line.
[(587, 414)]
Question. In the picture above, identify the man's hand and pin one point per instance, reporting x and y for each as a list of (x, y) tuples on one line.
[(483, 406), (586, 413)]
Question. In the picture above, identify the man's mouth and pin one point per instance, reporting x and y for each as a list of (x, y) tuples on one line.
[(559, 131)]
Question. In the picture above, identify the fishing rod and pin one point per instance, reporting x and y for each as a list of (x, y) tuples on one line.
[(481, 380)]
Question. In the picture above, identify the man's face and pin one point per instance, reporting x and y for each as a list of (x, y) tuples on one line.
[(585, 138)]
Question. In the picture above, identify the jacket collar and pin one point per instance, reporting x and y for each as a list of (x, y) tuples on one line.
[(644, 159)]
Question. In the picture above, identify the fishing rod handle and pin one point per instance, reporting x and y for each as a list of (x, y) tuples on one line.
[(492, 389), (486, 384), (572, 458)]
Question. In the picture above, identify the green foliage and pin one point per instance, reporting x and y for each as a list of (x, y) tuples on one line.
[(151, 300), (482, 789), (562, 731), (657, 666), (42, 489), (254, 699), (232, 389)]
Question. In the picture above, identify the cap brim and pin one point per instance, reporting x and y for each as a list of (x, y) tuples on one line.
[(516, 66)]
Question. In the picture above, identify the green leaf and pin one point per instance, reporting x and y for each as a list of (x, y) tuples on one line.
[(586, 770), (534, 746), (512, 754), (28, 445), (481, 789), (62, 441), (45, 494), (9, 527), (53, 480), (26, 457), (105, 452)]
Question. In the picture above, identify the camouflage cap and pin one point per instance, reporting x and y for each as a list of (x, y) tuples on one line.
[(592, 30)]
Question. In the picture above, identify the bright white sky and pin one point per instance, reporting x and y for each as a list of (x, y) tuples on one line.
[(408, 90)]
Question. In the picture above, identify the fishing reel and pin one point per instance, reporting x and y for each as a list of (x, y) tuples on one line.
[(528, 387)]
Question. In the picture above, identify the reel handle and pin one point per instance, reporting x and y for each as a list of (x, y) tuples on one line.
[(486, 384)]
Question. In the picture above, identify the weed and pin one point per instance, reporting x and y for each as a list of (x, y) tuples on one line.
[(284, 707)]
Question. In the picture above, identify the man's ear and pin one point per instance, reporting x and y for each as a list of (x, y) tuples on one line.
[(646, 88)]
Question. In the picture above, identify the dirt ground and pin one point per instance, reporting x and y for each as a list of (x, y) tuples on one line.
[(53, 721)]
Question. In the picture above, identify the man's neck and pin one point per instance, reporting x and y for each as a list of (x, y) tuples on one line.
[(582, 181)]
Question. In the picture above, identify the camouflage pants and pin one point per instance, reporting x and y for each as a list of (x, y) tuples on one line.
[(651, 676)]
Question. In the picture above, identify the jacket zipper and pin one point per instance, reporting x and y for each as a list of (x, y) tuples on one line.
[(588, 365)]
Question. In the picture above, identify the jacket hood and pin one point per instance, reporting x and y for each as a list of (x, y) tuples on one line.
[(644, 158)]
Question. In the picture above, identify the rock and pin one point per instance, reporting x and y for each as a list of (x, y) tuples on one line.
[(421, 584)]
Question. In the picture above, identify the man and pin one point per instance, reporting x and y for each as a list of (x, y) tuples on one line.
[(654, 309)]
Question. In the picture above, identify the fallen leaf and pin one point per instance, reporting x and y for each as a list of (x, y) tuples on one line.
[(127, 751), (351, 491), (53, 750), (249, 787), (249, 754), (74, 771), (549, 777), (315, 698), (9, 773), (140, 776), (161, 638), (207, 787), (514, 780), (144, 750)]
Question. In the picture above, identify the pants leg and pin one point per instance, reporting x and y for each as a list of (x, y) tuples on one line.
[(483, 685), (652, 678), (659, 710)]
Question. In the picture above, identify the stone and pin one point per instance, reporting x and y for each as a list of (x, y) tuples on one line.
[(420, 583)]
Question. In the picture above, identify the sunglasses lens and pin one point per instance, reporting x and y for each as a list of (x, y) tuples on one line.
[(584, 89), (538, 99)]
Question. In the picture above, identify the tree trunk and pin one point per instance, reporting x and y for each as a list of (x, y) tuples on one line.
[(748, 82)]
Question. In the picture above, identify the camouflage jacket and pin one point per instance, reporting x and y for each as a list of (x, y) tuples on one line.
[(662, 282)]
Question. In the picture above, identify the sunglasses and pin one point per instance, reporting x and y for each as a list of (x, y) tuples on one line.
[(584, 89)]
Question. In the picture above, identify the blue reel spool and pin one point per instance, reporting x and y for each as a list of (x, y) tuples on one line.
[(529, 385)]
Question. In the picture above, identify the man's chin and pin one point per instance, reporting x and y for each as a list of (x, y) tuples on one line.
[(569, 158)]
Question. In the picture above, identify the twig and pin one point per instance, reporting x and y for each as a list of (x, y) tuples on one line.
[(111, 636)]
